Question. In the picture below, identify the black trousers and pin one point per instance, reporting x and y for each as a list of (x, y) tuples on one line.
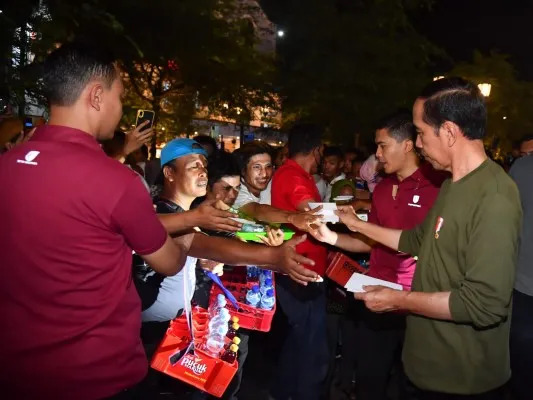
[(414, 393), (521, 346), (380, 339), (303, 362)]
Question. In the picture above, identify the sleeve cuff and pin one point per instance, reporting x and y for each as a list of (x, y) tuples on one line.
[(405, 243), (458, 309)]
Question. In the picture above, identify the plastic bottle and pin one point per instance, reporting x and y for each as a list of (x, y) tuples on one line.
[(265, 274), (268, 300), (232, 332), (217, 305), (215, 341), (236, 340), (220, 320), (253, 297), (230, 355), (252, 273), (266, 286)]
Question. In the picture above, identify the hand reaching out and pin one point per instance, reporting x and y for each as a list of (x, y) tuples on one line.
[(274, 237), (213, 266), (323, 234)]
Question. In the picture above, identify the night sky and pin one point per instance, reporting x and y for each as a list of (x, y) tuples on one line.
[(461, 26)]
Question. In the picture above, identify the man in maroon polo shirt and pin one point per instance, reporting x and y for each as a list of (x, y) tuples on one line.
[(70, 311), (71, 217), (303, 363), (401, 201)]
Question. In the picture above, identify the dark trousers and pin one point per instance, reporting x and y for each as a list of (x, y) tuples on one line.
[(521, 346), (303, 362), (414, 393), (380, 338), (341, 326)]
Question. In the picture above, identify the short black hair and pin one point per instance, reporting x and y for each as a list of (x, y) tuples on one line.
[(526, 138), (334, 151), (399, 125), (206, 140), (456, 100), (114, 146), (250, 149), (68, 70), (304, 138), (221, 165)]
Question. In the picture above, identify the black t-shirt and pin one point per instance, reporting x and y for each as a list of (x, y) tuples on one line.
[(147, 281)]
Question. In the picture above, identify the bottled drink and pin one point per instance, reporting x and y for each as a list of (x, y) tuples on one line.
[(232, 332), (217, 305), (252, 273), (266, 286), (236, 340), (232, 321), (268, 300), (265, 274), (253, 297), (230, 355), (220, 321), (215, 341)]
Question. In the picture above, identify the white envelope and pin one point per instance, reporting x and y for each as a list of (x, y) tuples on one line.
[(327, 212), (357, 281)]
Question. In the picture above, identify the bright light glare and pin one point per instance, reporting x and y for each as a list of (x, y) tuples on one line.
[(484, 88), (281, 34)]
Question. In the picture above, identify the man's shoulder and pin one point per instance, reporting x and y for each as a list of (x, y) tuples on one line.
[(523, 167)]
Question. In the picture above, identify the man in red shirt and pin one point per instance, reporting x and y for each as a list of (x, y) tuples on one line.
[(303, 363), (401, 201), (71, 217)]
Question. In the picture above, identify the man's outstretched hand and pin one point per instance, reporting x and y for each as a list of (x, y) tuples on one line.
[(293, 264), (210, 217), (305, 221)]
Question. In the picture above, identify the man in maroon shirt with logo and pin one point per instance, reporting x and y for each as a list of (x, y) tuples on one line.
[(303, 363), (71, 217), (401, 201)]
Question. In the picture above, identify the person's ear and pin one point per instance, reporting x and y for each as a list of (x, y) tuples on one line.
[(96, 96)]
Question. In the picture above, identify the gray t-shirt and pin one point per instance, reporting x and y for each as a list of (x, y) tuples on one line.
[(522, 173)]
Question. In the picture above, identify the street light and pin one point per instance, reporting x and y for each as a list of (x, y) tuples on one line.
[(485, 88), (437, 78), (281, 33)]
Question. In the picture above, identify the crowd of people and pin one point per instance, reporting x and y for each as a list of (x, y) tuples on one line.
[(104, 247)]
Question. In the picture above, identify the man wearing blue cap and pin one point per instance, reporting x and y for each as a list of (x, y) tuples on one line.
[(185, 178)]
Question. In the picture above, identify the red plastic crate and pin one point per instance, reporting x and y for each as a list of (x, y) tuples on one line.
[(252, 318), (201, 370)]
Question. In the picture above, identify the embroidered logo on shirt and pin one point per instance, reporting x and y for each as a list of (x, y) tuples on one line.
[(416, 199), (438, 226), (28, 158)]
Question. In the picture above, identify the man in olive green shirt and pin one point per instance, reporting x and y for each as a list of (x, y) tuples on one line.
[(457, 338)]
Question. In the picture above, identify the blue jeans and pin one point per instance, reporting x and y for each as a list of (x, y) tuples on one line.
[(303, 363)]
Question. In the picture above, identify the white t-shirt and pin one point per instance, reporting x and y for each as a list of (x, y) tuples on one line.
[(321, 186), (327, 195), (173, 293)]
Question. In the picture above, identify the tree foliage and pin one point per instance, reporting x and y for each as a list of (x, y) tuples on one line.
[(175, 55), (510, 101), (345, 63)]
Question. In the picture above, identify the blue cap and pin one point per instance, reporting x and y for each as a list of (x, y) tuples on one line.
[(268, 282), (270, 293), (255, 289), (180, 147)]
